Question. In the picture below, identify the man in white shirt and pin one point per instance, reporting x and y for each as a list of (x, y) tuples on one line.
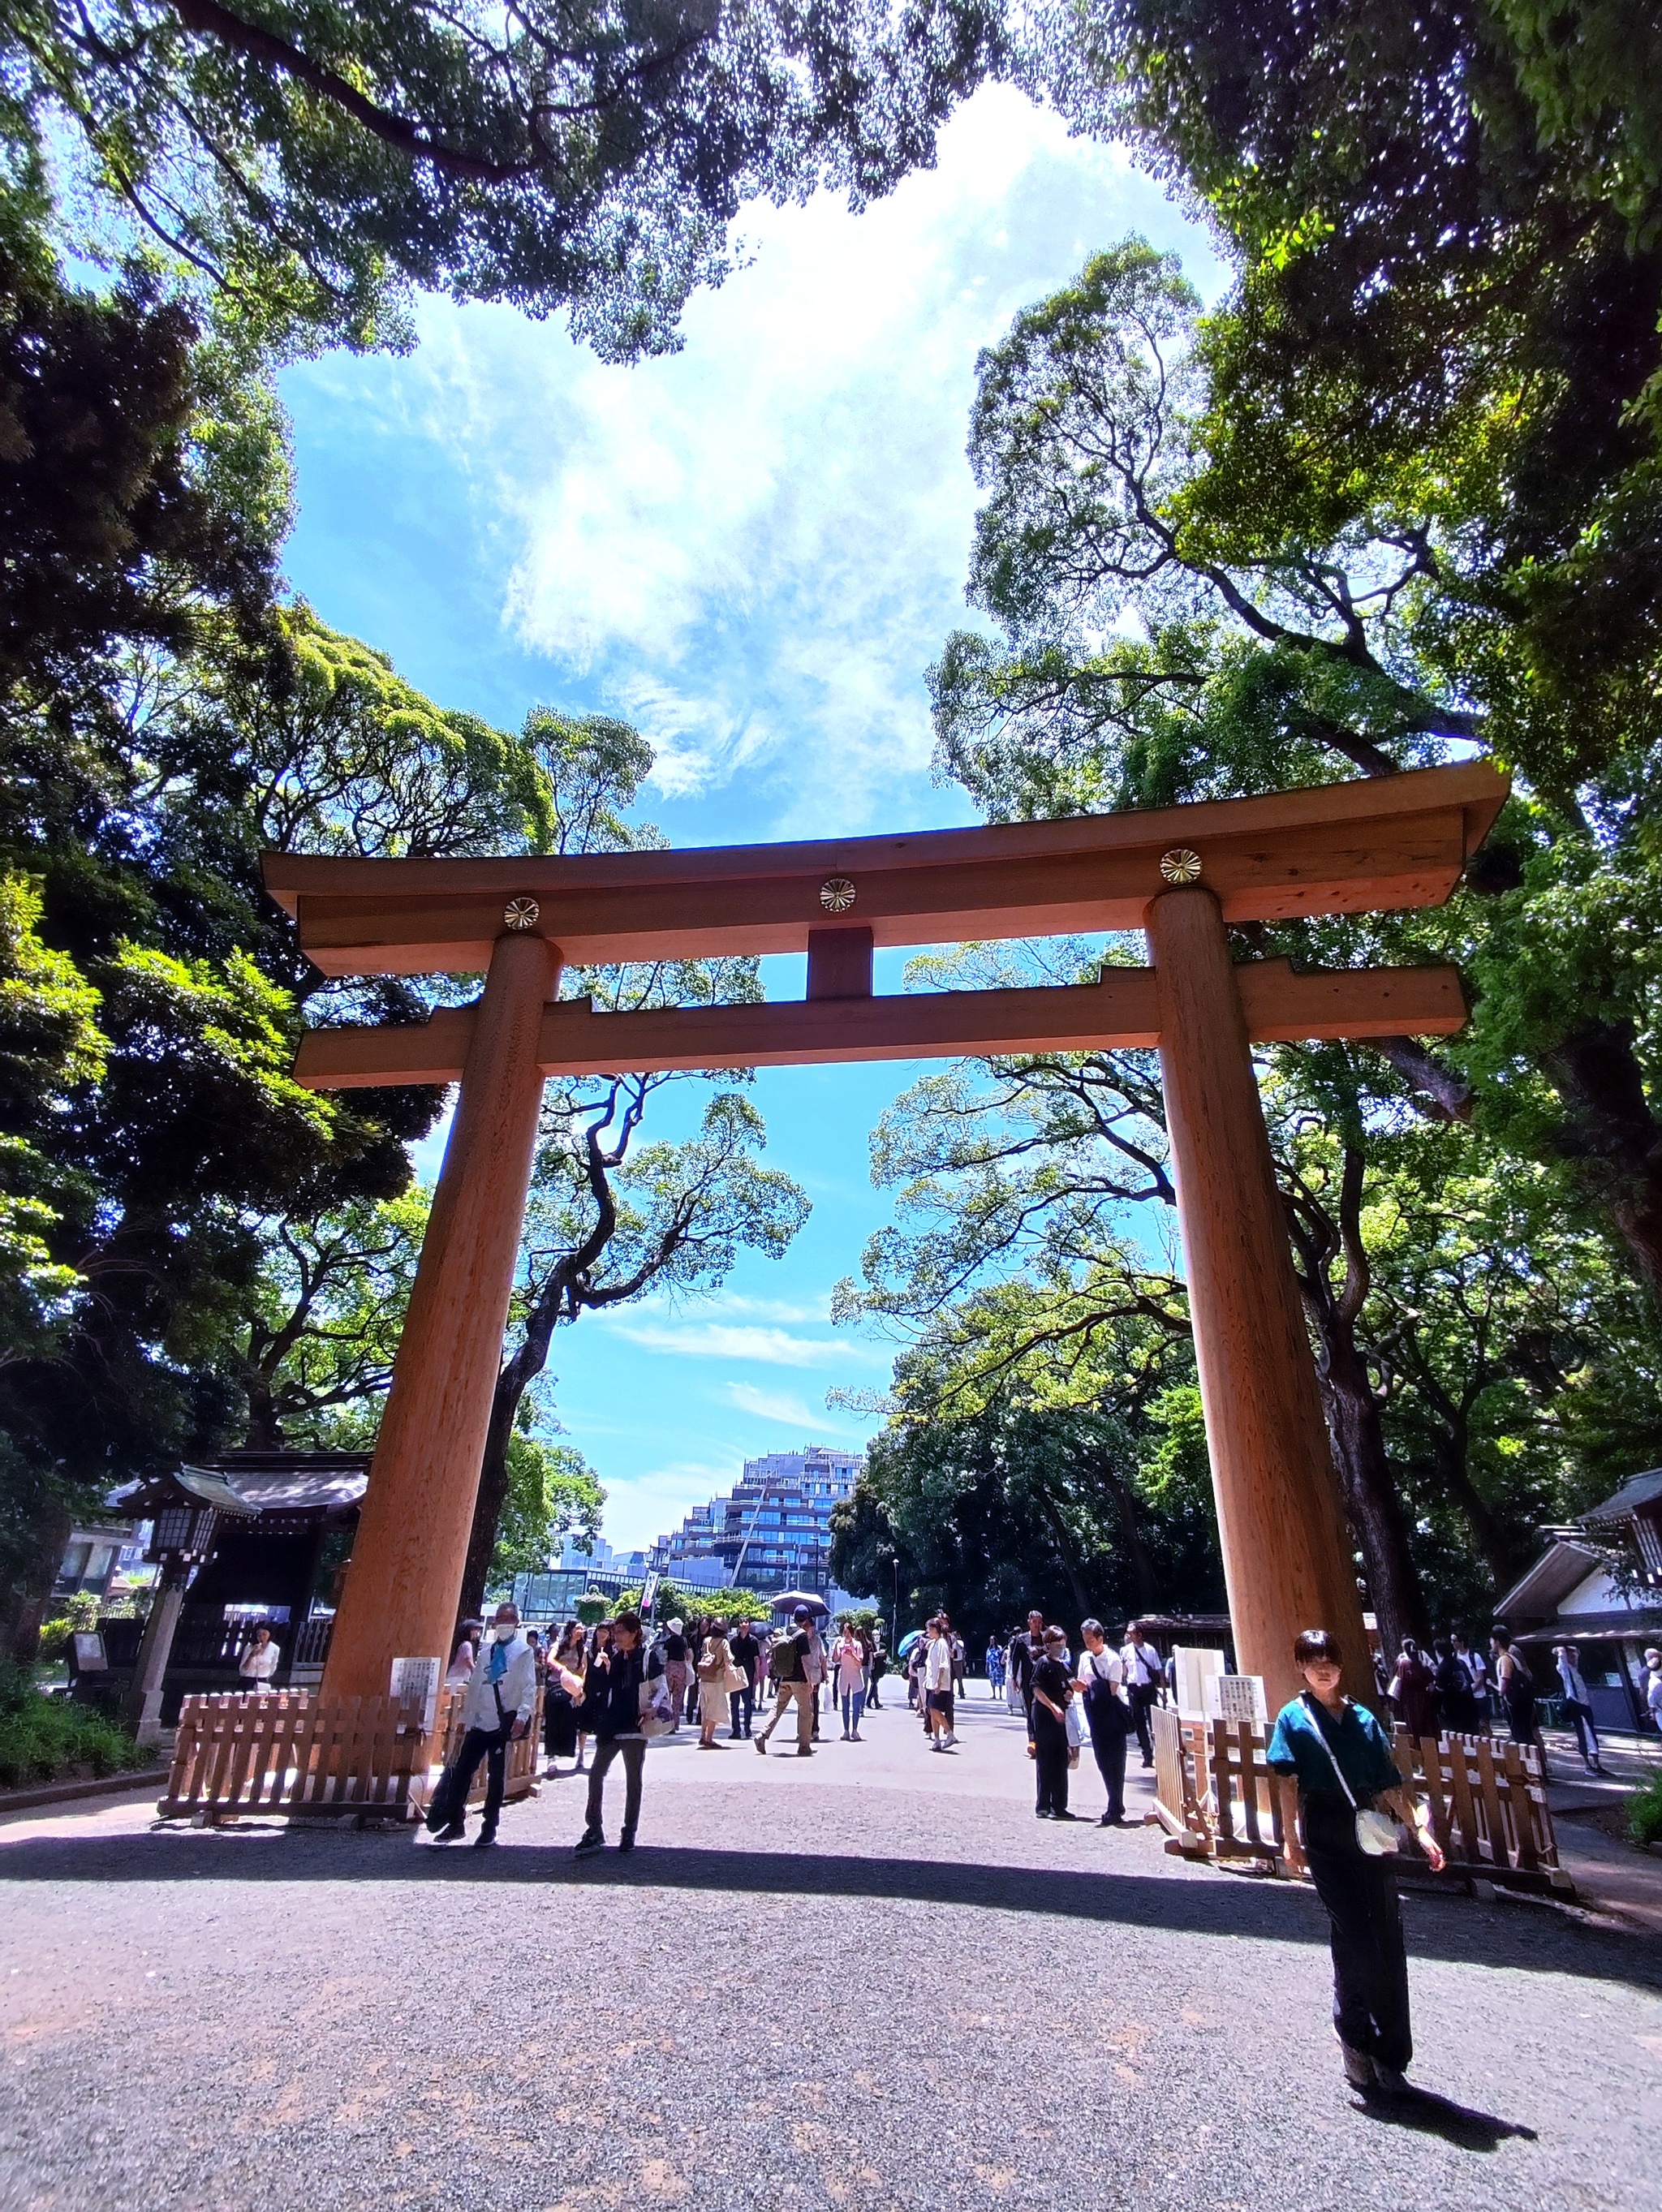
[(937, 1688), (1144, 1674), (1099, 1679), (1578, 1704), (1653, 1683), (497, 1706)]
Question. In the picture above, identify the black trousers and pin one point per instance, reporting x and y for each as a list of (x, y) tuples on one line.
[(1143, 1695), (1370, 1965), (450, 1799), (1108, 1746), (741, 1707), (1050, 1759), (632, 1750)]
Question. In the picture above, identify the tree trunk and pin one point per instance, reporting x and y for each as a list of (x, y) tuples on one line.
[(1611, 1128), (26, 1601), (1500, 1553), (1142, 1571), (1371, 1500)]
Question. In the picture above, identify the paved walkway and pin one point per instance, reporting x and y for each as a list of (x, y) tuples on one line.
[(871, 1980)]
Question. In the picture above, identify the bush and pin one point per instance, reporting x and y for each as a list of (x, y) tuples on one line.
[(44, 1738), (1644, 1811), (79, 1616)]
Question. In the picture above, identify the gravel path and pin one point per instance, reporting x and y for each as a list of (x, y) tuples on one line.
[(870, 1981)]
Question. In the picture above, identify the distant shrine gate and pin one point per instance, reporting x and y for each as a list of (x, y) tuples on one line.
[(1180, 875)]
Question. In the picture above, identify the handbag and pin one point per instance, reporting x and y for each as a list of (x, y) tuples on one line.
[(1376, 1832), (1075, 1730), (657, 1717)]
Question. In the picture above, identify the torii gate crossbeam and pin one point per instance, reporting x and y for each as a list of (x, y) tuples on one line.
[(1180, 874)]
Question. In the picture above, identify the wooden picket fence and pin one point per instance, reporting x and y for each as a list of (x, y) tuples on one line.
[(1218, 1800), (295, 1753)]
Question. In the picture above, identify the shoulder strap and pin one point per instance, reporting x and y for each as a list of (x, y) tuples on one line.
[(1332, 1756)]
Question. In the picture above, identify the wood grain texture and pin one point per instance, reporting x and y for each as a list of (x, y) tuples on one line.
[(1286, 1557), (1389, 842), (405, 1580), (1121, 1010)]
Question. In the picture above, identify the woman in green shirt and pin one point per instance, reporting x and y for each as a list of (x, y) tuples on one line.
[(1341, 1758)]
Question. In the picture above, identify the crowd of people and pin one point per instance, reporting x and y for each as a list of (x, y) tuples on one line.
[(608, 1689)]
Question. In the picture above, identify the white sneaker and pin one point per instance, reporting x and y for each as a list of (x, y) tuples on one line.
[(949, 1743)]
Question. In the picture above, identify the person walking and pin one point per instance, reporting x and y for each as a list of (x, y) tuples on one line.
[(1478, 1667), (917, 1696), (879, 1668), (819, 1671), (1341, 1758), (497, 1706), (1578, 1704), (717, 1676), (848, 1660), (560, 1710), (994, 1664), (677, 1670), (600, 1640), (1053, 1692), (959, 1655), (1654, 1685), (1099, 1679), (1516, 1685), (1413, 1690), (747, 1658), (938, 1686), (612, 1695), (789, 1663), (1145, 1677)]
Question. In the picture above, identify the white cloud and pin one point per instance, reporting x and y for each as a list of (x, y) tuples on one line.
[(753, 548), (778, 1405), (768, 1347)]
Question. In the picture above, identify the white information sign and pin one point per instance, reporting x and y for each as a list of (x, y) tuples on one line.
[(1195, 1667), (1238, 1698), (419, 1678)]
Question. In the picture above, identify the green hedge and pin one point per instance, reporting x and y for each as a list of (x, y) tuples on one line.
[(44, 1738), (1644, 1811)]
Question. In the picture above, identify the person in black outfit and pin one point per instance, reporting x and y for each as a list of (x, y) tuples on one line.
[(1053, 1692), (1026, 1651), (1145, 1676), (1454, 1688), (611, 1711), (747, 1658), (1343, 1759), (1099, 1677)]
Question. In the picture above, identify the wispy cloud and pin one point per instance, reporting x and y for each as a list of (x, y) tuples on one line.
[(779, 1406), (767, 1347)]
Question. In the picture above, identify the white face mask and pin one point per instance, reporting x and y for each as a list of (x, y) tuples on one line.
[(506, 1631)]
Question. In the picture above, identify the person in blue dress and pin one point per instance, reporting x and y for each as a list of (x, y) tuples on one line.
[(1341, 1757)]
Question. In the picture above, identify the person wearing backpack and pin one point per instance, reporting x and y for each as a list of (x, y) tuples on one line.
[(497, 1706), (787, 1670), (1517, 1687)]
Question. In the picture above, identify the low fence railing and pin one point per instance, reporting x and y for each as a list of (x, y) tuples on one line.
[(297, 1754), (1219, 1800)]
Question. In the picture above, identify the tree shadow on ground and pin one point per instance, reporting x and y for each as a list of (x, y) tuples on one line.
[(1181, 1901), (1423, 2112)]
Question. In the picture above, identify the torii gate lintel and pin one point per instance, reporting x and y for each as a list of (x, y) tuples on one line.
[(1182, 875)]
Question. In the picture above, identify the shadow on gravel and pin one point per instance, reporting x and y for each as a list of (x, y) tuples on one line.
[(1186, 1903), (1423, 2112)]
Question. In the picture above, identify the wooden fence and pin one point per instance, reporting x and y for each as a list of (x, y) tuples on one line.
[(1218, 1800), (294, 1753)]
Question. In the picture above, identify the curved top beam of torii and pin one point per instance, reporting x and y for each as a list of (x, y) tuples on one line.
[(1338, 848)]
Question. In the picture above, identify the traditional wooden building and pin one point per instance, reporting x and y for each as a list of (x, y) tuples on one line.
[(248, 1537)]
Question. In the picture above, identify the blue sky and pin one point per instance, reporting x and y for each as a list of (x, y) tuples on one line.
[(753, 550)]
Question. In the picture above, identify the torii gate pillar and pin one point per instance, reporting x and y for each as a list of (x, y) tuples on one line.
[(405, 1580), (1285, 1559)]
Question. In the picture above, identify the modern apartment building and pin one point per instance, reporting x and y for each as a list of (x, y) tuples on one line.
[(772, 1531)]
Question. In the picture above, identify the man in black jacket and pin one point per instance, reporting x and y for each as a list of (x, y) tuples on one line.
[(610, 1712), (1026, 1652), (789, 1661), (747, 1658)]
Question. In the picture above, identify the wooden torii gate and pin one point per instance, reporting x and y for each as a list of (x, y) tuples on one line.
[(1180, 874)]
